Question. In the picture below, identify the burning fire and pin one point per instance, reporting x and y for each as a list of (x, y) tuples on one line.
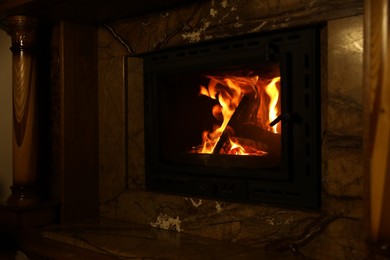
[(246, 106), (272, 91)]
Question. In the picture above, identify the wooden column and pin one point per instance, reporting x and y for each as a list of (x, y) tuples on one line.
[(377, 81), (25, 124)]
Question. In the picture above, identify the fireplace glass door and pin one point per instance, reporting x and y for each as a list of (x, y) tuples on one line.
[(223, 112), (235, 119)]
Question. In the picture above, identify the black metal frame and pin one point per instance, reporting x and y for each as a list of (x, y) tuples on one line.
[(297, 182)]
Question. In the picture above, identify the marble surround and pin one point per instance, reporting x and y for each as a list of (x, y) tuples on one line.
[(338, 229)]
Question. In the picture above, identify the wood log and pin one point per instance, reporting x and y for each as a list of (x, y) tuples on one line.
[(238, 116), (240, 124)]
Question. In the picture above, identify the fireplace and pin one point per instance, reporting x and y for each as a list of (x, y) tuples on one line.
[(237, 119)]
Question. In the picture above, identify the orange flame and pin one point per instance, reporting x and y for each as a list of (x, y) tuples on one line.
[(229, 92), (238, 149), (272, 91)]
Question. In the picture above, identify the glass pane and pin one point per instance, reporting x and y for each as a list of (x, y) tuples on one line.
[(224, 112)]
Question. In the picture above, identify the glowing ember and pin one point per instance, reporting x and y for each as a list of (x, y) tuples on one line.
[(243, 149), (243, 103)]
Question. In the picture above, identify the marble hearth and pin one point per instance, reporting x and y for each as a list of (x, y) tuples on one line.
[(337, 229)]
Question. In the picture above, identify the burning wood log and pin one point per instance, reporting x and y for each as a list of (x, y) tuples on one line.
[(234, 121), (240, 124), (270, 140)]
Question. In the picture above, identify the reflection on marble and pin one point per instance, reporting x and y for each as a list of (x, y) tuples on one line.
[(343, 143), (335, 231), (345, 78), (123, 240)]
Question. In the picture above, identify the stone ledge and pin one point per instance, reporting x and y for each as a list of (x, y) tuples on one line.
[(126, 240)]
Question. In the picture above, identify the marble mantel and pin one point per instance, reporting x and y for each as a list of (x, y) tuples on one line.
[(338, 229)]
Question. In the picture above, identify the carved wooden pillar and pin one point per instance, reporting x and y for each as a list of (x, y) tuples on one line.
[(25, 124)]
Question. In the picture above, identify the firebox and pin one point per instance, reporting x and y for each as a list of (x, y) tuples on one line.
[(237, 119)]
